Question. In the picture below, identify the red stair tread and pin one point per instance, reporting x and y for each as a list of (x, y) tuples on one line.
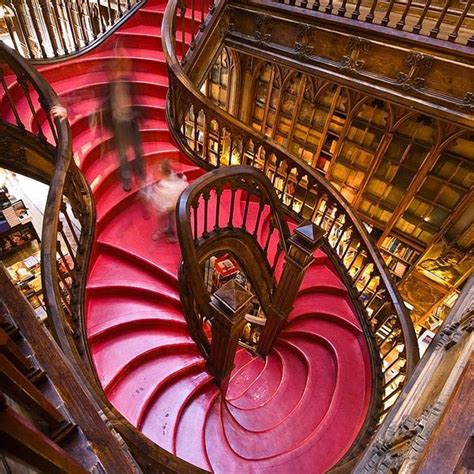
[(108, 267), (309, 411), (258, 415), (244, 377), (190, 441), (262, 388), (325, 303), (112, 354), (159, 421), (131, 393)]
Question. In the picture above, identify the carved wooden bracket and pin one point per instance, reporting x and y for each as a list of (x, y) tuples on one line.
[(304, 38), (356, 47), (263, 32), (419, 64)]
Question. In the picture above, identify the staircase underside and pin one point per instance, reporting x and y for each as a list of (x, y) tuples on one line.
[(301, 408)]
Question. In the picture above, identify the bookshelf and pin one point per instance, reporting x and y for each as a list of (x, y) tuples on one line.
[(410, 145), (359, 147), (398, 256), (440, 194)]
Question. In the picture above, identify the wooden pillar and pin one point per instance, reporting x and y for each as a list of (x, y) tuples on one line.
[(246, 91), (302, 245), (229, 305)]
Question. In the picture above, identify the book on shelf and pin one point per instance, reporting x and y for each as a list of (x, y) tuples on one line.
[(399, 249)]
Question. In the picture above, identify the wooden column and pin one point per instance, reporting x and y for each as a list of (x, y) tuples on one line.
[(302, 245), (229, 305)]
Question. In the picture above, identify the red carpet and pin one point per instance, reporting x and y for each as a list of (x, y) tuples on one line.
[(298, 411)]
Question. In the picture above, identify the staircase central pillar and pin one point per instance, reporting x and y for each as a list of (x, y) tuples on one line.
[(301, 247), (229, 304)]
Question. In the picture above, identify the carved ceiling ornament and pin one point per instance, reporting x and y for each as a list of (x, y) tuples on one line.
[(352, 61), (263, 32), (419, 64), (304, 38), (12, 153)]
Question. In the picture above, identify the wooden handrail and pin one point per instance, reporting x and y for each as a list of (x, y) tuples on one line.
[(424, 18), (305, 195), (48, 31)]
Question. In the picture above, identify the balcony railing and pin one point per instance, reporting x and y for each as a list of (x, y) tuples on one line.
[(42, 30), (451, 20)]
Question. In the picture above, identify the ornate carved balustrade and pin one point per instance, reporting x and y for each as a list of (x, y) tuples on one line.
[(213, 217), (434, 18), (214, 139), (429, 429), (44, 30)]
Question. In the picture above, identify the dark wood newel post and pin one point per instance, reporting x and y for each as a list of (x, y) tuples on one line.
[(301, 247), (229, 305)]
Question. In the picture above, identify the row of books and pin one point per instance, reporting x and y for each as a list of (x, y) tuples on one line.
[(400, 249)]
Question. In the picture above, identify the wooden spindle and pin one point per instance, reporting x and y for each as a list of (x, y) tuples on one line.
[(20, 16), (454, 34), (246, 210), (70, 224), (195, 220), (356, 12), (70, 20), (419, 24), (109, 11), (193, 20), (401, 23), (22, 80), (57, 18), (206, 196), (259, 216), (11, 102), (11, 33), (435, 30), (386, 18), (201, 25), (342, 9), (218, 206), (230, 223), (370, 16)]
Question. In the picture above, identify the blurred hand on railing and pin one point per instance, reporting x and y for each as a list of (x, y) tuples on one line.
[(58, 111)]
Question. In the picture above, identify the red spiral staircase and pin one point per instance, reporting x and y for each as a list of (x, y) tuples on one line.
[(301, 408)]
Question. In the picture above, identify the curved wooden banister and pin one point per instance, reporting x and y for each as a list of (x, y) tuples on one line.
[(305, 195), (56, 31), (198, 245)]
